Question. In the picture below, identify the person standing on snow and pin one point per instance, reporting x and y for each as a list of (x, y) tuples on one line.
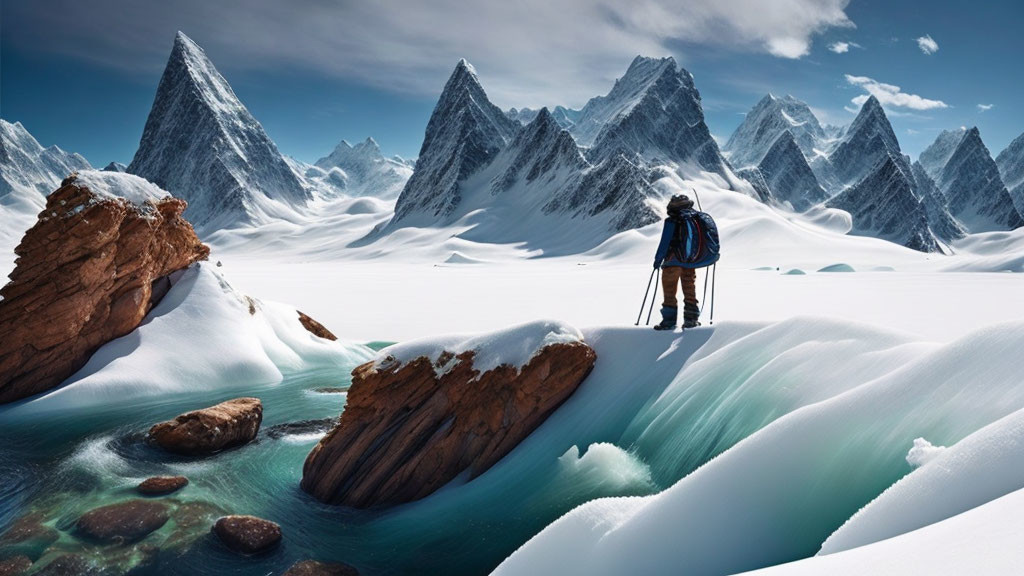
[(685, 246)]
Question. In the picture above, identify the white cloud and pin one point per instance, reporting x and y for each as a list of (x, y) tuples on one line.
[(911, 131), (890, 95), (985, 107), (528, 52), (842, 47), (927, 45)]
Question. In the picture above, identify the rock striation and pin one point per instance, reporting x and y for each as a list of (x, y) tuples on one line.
[(88, 271), (411, 427), (212, 429)]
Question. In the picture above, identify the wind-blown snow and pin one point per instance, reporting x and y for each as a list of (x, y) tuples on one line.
[(513, 346)]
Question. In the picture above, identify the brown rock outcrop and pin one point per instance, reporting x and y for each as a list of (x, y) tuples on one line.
[(123, 522), (87, 272), (314, 568), (247, 534), (212, 429), (315, 328), (405, 431), (159, 485)]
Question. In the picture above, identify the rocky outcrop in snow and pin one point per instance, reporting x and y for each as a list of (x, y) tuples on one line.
[(766, 122), (426, 412), (464, 134), (962, 168), (884, 205), (203, 145), (90, 269), (364, 171), (1011, 167), (942, 223)]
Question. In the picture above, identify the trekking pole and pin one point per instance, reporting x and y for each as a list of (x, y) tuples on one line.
[(697, 196), (653, 298), (704, 298), (644, 303), (714, 268)]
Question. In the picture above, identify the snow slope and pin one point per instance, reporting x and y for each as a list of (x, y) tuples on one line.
[(982, 541), (203, 334), (802, 468)]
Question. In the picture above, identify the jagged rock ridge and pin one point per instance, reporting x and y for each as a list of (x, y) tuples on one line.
[(768, 120), (202, 144), (963, 169)]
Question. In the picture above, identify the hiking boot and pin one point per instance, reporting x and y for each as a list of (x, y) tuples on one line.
[(691, 323), (668, 318)]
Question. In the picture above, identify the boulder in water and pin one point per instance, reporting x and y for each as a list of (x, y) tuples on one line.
[(247, 534), (123, 522), (314, 568), (160, 485), (212, 429)]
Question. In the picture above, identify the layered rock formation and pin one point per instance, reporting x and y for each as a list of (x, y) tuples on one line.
[(410, 427), (209, 430), (89, 271)]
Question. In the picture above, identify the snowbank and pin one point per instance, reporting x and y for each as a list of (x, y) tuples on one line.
[(114, 185), (982, 467), (981, 541), (803, 467), (513, 346), (203, 335)]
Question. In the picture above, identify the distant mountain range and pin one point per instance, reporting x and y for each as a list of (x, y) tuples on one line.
[(955, 188), (515, 175)]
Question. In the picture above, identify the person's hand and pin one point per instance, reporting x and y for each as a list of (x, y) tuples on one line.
[(657, 265)]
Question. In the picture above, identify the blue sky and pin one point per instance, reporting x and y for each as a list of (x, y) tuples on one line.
[(82, 74)]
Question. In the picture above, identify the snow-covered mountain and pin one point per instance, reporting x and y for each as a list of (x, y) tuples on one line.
[(864, 145), (507, 182), (464, 134), (565, 117), (943, 224), (963, 169), (28, 173), (202, 144), (362, 170), (115, 167), (883, 204), (1011, 167), (653, 112), (785, 174), (768, 120)]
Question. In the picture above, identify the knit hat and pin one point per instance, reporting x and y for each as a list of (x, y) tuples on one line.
[(680, 202)]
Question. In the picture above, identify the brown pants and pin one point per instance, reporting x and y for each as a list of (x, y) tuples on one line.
[(670, 277)]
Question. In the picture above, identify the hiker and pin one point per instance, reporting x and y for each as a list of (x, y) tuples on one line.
[(689, 241)]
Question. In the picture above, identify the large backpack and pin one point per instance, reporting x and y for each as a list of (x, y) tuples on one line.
[(695, 242)]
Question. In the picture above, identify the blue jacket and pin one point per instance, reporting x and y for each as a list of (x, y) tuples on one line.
[(667, 233)]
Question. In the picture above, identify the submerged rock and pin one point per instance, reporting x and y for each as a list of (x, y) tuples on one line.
[(29, 530), (123, 522), (17, 565), (85, 276), (410, 428), (68, 565), (315, 328), (247, 534), (212, 429), (319, 426), (159, 485), (314, 568)]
